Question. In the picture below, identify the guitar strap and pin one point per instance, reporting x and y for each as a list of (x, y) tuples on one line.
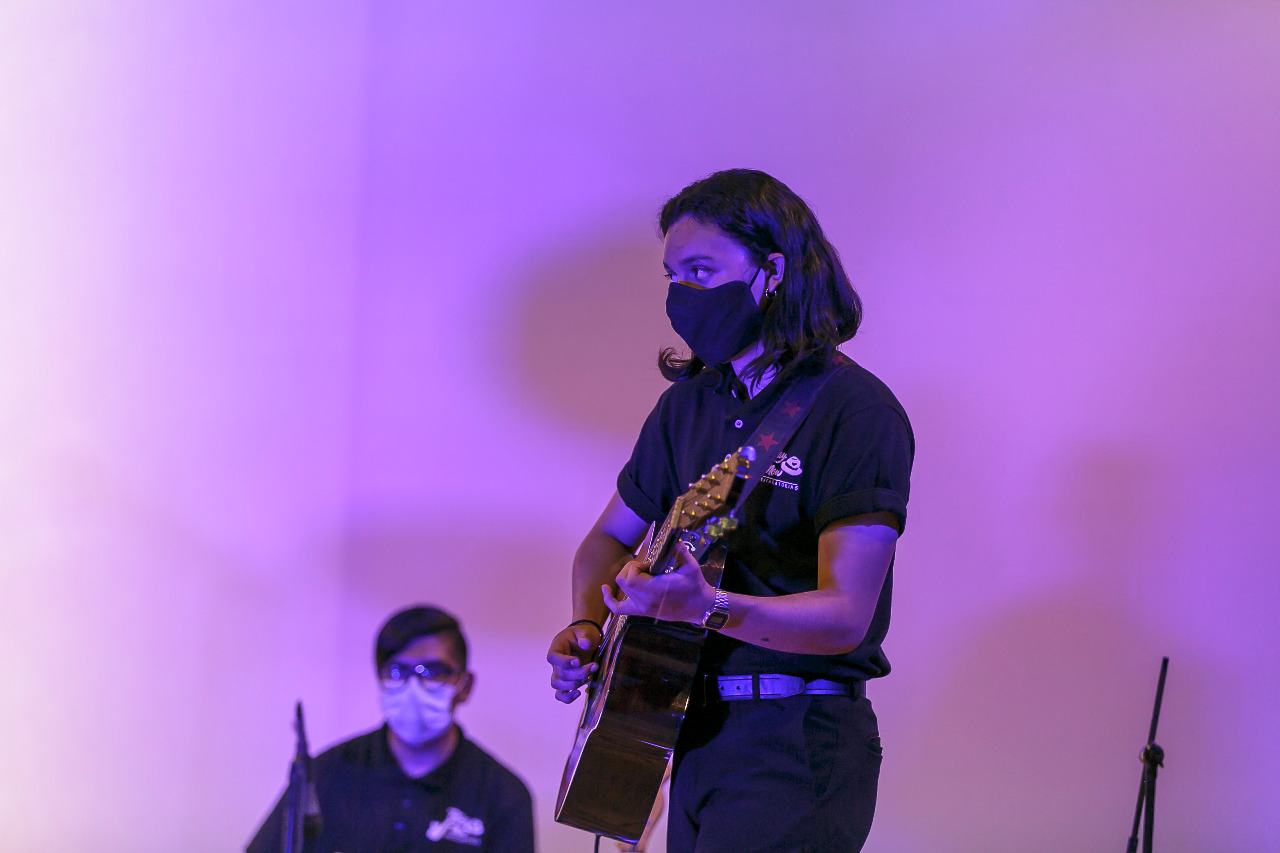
[(776, 430), (767, 443)]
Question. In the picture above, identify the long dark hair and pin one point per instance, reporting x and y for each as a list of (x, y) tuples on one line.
[(813, 310)]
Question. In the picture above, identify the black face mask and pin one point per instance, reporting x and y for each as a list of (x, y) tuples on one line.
[(716, 322)]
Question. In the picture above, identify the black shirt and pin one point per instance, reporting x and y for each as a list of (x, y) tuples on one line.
[(852, 455), (469, 803)]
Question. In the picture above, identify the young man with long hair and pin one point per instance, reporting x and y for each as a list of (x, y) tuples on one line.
[(760, 297)]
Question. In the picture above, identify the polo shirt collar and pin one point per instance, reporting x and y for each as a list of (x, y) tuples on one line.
[(729, 383), (435, 781), (731, 387)]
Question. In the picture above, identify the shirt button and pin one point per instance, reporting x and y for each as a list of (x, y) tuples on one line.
[(399, 825), (737, 424)]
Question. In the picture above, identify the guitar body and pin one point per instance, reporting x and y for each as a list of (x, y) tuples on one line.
[(637, 700), (629, 726)]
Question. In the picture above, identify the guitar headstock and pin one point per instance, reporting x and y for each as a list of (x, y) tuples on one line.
[(715, 494)]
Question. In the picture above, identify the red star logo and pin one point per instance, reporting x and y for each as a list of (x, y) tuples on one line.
[(791, 409), (766, 441)]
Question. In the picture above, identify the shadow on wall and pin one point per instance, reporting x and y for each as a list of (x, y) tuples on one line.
[(584, 333), (1033, 742)]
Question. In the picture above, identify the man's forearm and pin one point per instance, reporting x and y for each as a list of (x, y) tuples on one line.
[(821, 622), (853, 560), (599, 559)]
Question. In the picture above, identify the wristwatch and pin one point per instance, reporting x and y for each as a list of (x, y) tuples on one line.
[(715, 618)]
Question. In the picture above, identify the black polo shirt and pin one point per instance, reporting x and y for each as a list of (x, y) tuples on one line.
[(851, 456), (469, 803)]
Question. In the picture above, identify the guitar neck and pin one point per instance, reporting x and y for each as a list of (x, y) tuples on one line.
[(693, 521), (660, 554)]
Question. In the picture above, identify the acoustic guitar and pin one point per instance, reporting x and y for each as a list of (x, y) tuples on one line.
[(637, 699)]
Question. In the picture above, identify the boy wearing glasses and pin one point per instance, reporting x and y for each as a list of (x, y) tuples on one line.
[(416, 783)]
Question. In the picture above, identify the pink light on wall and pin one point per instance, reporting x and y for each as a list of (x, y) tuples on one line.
[(314, 312)]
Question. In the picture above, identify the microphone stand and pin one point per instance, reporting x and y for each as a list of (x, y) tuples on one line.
[(298, 794), (1152, 758)]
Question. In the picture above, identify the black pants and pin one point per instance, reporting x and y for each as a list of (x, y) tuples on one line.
[(795, 775)]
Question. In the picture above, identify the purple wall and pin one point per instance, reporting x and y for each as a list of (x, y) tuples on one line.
[(314, 310)]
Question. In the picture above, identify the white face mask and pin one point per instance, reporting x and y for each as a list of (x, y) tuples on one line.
[(419, 714)]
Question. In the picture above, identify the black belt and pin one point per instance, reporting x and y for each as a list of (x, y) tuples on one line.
[(774, 686)]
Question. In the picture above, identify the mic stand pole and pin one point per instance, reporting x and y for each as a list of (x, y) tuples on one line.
[(1152, 758), (296, 813)]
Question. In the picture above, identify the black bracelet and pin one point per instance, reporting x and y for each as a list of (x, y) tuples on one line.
[(586, 622)]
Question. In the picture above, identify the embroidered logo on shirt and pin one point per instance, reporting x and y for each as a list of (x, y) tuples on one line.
[(784, 466), (457, 827)]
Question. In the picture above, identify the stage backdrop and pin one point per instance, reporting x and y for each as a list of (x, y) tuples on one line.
[(313, 310)]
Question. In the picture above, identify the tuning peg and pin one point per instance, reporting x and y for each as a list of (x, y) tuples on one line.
[(729, 523), (714, 530)]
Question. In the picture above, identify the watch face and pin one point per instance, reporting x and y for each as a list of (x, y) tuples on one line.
[(716, 620)]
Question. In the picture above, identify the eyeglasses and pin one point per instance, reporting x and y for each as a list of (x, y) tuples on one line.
[(395, 676)]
